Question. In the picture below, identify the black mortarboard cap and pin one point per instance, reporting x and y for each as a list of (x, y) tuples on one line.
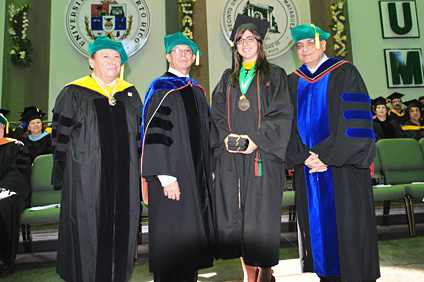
[(4, 112), (395, 95), (242, 21), (379, 101), (31, 109), (31, 115), (413, 103), (421, 98)]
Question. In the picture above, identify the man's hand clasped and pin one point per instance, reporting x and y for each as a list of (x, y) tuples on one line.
[(315, 164)]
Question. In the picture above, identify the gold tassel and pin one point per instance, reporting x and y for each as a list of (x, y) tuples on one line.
[(7, 127), (197, 57), (121, 74), (317, 43)]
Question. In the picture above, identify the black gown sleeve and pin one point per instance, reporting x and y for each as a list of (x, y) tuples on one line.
[(219, 129), (339, 149), (64, 113), (274, 133)]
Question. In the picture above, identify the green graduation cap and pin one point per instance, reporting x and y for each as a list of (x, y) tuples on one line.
[(103, 42), (5, 122), (305, 31), (178, 38)]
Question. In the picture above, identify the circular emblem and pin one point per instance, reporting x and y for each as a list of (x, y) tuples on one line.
[(127, 21), (281, 14)]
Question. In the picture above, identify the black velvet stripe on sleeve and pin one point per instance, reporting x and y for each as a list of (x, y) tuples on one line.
[(67, 122), (156, 138), (62, 138), (164, 110), (161, 123)]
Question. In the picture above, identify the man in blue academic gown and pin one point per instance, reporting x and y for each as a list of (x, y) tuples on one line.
[(331, 149)]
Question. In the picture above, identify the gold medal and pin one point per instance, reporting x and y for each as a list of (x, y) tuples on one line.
[(243, 103)]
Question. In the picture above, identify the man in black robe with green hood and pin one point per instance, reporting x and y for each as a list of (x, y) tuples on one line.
[(331, 149), (96, 145), (177, 169)]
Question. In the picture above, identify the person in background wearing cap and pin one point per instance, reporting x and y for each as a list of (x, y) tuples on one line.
[(15, 170), (414, 127), (252, 102), (331, 149), (384, 126), (10, 134), (421, 99), (176, 168), (38, 141), (96, 148), (397, 113)]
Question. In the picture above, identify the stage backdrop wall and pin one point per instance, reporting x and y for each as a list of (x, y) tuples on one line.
[(66, 64), (220, 51), (368, 46), (2, 16)]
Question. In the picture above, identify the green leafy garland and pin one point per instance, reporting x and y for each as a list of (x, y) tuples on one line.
[(338, 28), (21, 49), (186, 8)]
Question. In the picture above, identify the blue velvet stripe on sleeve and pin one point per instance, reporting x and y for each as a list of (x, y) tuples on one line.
[(360, 133), (355, 114), (356, 97)]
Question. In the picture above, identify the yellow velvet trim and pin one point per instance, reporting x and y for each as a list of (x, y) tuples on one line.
[(412, 127), (90, 83), (248, 66)]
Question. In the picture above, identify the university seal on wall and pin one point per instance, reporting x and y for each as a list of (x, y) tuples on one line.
[(127, 21), (281, 14)]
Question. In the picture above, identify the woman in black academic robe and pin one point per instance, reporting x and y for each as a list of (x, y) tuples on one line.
[(252, 101), (384, 126), (414, 127), (38, 141)]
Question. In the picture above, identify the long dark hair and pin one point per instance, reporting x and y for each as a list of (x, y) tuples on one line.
[(261, 65)]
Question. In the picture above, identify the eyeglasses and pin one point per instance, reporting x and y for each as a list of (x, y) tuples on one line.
[(308, 44), (248, 40), (180, 51), (396, 102)]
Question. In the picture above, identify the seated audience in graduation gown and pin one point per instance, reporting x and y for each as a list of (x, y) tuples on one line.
[(15, 169), (20, 131), (36, 139), (331, 149), (397, 113), (384, 126), (414, 127)]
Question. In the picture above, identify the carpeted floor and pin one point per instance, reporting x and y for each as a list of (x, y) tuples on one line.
[(401, 259)]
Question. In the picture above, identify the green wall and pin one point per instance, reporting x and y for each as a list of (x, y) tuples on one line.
[(27, 87), (66, 64), (368, 45), (2, 20)]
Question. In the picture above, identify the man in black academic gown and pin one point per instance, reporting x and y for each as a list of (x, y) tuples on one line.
[(397, 113), (331, 149), (96, 141), (177, 169), (15, 170)]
